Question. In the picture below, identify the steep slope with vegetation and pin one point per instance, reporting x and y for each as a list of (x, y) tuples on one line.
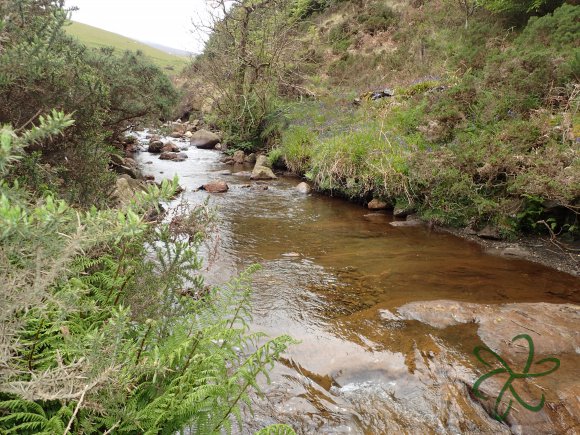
[(98, 38), (480, 130), (106, 325)]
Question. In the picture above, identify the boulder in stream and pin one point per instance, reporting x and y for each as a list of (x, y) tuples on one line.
[(239, 157), (174, 157), (204, 139), (377, 204), (261, 170), (216, 186), (170, 147), (304, 188), (155, 146)]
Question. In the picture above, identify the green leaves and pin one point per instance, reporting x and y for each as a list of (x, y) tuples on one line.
[(111, 317)]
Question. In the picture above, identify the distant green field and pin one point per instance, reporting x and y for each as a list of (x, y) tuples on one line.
[(95, 37)]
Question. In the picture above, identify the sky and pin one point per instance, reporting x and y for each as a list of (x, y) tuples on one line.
[(165, 22)]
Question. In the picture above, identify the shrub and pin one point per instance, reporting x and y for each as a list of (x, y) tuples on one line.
[(339, 37), (302, 9), (378, 17), (41, 67), (107, 323)]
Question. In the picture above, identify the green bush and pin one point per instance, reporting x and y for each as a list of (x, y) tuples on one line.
[(378, 17), (302, 9), (107, 323), (297, 147), (42, 68), (339, 37), (520, 8)]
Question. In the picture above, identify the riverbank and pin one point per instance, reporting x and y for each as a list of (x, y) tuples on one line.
[(541, 250), (537, 249)]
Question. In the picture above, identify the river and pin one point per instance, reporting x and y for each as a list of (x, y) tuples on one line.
[(387, 317)]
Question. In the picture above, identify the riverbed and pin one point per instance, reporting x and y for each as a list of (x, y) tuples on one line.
[(387, 316)]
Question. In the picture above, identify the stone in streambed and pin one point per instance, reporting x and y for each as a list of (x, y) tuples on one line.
[(377, 204), (204, 139), (217, 186), (261, 170), (155, 146), (174, 157), (250, 158), (170, 147), (304, 188), (239, 157)]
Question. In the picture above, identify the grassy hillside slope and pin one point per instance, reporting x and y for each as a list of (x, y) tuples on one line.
[(480, 128), (97, 38)]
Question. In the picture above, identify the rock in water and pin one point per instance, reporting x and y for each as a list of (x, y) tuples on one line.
[(170, 147), (155, 146), (263, 161), (175, 157), (403, 212), (217, 186), (304, 188), (205, 139), (239, 157), (262, 171), (377, 204)]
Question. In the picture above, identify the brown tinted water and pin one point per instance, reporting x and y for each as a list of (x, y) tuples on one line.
[(334, 276)]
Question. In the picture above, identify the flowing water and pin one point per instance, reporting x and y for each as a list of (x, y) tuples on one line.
[(335, 276)]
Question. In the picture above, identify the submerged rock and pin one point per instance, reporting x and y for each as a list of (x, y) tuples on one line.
[(409, 223), (554, 327), (553, 331)]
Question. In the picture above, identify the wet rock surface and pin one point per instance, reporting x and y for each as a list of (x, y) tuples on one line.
[(553, 330)]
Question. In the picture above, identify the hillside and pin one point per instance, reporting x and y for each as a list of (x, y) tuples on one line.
[(95, 37), (466, 114)]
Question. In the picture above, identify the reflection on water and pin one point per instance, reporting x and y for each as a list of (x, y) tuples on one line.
[(331, 270)]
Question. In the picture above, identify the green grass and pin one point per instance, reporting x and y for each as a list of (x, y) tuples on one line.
[(97, 38)]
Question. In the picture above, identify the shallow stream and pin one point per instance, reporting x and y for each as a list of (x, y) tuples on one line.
[(335, 276)]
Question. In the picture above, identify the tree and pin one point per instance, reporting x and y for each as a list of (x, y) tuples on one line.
[(246, 60)]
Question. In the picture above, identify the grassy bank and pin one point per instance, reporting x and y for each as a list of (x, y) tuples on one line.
[(483, 128)]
